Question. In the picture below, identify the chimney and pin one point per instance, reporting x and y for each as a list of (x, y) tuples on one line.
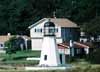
[(54, 14), (9, 34)]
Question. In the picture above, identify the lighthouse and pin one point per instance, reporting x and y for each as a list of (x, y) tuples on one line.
[(49, 58), (49, 52)]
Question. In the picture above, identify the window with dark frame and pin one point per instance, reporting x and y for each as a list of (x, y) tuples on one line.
[(38, 30), (1, 45)]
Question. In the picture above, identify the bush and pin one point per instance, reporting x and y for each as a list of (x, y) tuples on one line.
[(94, 57), (10, 44), (14, 44)]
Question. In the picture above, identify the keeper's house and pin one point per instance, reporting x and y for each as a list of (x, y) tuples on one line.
[(65, 30)]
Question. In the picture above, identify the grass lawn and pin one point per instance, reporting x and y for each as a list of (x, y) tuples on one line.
[(16, 63), (21, 54), (19, 58), (75, 70), (31, 71)]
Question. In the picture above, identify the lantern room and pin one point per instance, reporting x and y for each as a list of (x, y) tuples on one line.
[(49, 29)]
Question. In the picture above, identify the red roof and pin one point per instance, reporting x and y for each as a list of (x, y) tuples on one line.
[(75, 44), (62, 46)]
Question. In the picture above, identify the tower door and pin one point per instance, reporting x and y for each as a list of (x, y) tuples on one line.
[(61, 58)]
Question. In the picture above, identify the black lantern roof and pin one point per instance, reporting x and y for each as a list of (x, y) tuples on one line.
[(49, 24)]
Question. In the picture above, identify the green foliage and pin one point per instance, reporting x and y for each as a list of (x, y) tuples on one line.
[(11, 45), (19, 62), (14, 44), (75, 70), (17, 15), (94, 57), (9, 13), (19, 58), (92, 27), (20, 55)]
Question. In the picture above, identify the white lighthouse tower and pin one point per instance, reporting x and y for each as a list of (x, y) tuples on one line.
[(50, 59), (49, 52)]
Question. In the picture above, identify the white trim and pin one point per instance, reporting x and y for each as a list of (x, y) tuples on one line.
[(38, 22), (37, 68), (33, 59)]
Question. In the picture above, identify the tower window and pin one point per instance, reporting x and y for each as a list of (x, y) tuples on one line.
[(45, 57), (40, 30), (35, 30)]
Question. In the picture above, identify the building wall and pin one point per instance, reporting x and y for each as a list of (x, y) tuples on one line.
[(70, 33), (37, 35), (35, 32), (2, 45), (62, 34), (37, 43), (83, 40), (65, 51)]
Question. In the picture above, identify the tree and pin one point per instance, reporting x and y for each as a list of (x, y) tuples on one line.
[(17, 15), (14, 44), (92, 27), (94, 56), (11, 45), (9, 14)]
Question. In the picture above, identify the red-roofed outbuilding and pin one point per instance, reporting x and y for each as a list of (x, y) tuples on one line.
[(79, 48)]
